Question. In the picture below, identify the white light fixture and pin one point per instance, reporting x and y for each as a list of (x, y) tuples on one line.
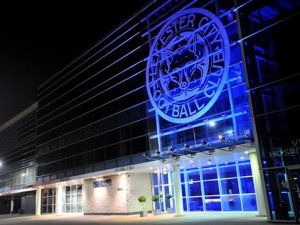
[(242, 157), (151, 168), (246, 152), (191, 161), (221, 138), (212, 124), (209, 161), (0, 163)]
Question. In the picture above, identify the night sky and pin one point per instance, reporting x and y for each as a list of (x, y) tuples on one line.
[(36, 43)]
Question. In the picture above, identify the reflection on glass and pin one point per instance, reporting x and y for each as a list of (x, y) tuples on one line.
[(247, 185), (216, 193), (231, 203), (229, 186), (213, 203), (211, 187), (196, 204), (245, 169), (228, 171), (210, 173), (194, 188), (249, 203)]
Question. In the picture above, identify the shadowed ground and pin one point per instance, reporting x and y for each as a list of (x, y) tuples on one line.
[(190, 219)]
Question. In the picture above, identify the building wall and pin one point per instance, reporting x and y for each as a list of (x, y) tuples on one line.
[(269, 41), (94, 109), (18, 150), (138, 184), (118, 198)]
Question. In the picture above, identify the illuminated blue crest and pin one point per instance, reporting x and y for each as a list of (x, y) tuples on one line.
[(188, 65)]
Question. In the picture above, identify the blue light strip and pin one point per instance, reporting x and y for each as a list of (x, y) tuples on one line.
[(98, 107), (82, 102), (114, 76), (86, 68), (85, 53), (175, 130), (97, 121)]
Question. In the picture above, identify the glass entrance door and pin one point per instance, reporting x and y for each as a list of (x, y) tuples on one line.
[(294, 179), (279, 194)]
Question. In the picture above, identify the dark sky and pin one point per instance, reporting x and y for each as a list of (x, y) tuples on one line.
[(35, 43)]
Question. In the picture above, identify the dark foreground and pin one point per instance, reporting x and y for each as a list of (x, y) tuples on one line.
[(189, 219)]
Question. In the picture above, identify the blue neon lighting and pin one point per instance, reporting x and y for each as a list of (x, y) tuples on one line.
[(188, 65)]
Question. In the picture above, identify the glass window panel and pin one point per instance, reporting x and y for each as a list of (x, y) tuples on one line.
[(79, 208), (156, 204), (74, 199), (210, 173), (79, 198), (211, 187), (196, 204), (44, 200), (68, 189), (165, 178), (49, 208), (231, 203), (74, 208), (183, 189), (184, 204), (73, 187), (156, 190), (249, 203), (229, 186), (193, 175), (68, 208), (166, 189), (213, 203), (182, 177), (44, 209), (44, 192), (194, 188), (247, 185), (228, 171), (154, 179), (64, 207), (68, 200), (245, 170)]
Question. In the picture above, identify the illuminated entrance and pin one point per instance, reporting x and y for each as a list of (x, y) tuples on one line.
[(219, 187)]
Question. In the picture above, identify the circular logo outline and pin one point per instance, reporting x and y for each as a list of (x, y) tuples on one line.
[(226, 50)]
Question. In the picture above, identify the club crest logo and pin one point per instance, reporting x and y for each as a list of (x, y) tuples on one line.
[(188, 65)]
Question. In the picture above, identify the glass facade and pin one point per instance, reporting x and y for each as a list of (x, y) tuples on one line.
[(72, 199), (18, 150), (48, 202), (176, 79), (221, 187), (269, 38), (222, 112)]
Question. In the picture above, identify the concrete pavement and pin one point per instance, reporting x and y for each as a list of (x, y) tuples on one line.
[(165, 219)]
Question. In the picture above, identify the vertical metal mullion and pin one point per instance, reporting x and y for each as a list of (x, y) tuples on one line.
[(239, 184), (219, 185), (202, 189)]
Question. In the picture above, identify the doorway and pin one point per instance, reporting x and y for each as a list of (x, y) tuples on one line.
[(294, 182)]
